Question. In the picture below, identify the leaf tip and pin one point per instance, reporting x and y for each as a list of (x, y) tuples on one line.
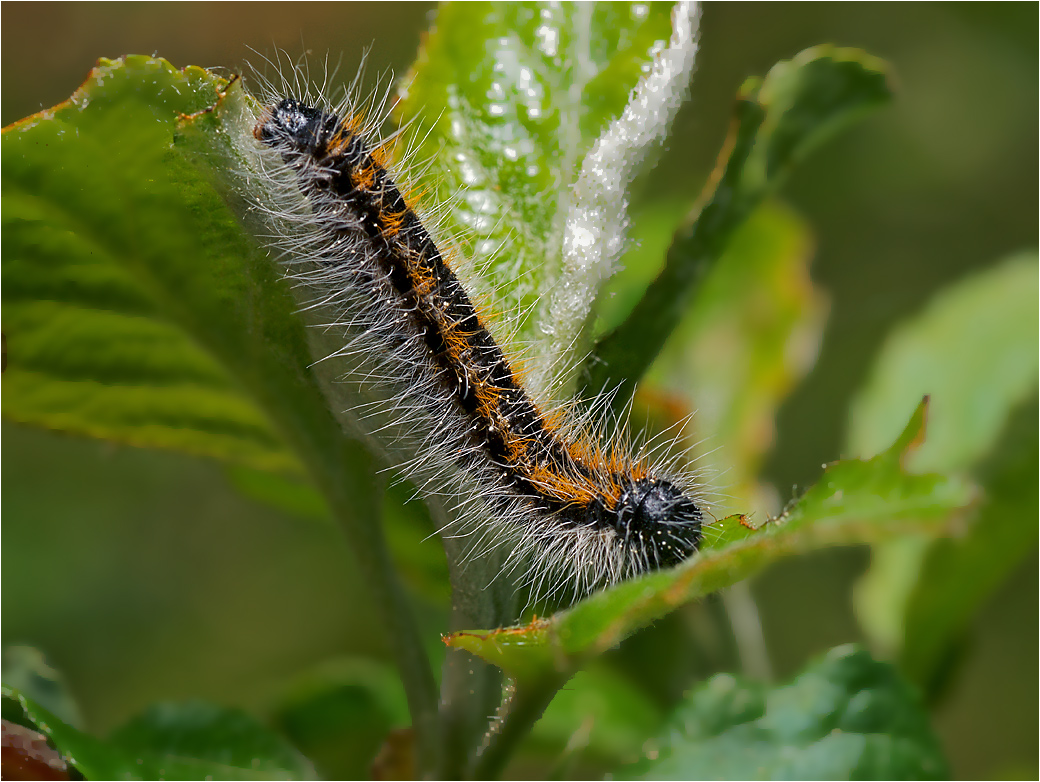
[(913, 435)]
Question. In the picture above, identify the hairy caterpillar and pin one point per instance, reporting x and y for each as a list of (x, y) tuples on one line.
[(574, 514)]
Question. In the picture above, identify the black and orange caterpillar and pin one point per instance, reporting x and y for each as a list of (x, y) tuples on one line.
[(566, 505)]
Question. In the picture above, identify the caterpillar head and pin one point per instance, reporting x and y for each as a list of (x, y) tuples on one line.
[(655, 517), (292, 126)]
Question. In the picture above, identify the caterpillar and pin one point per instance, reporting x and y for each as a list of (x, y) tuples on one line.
[(574, 514)]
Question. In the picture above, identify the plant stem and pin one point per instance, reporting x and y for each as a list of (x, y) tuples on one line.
[(747, 631), (526, 706), (342, 469), (471, 689), (355, 495), (299, 397)]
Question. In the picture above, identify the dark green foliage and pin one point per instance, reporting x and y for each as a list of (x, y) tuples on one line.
[(845, 716)]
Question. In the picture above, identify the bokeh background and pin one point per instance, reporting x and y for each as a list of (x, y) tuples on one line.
[(147, 576)]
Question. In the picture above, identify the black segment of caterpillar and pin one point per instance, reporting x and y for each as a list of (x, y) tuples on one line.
[(565, 479)]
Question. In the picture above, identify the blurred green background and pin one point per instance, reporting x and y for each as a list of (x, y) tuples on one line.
[(147, 576)]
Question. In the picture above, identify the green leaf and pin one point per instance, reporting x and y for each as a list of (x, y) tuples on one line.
[(512, 96), (846, 716), (130, 293), (185, 741), (957, 577), (974, 350), (26, 670), (339, 714), (197, 740), (854, 502), (778, 121)]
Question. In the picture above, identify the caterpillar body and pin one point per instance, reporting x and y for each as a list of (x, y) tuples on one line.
[(574, 515)]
